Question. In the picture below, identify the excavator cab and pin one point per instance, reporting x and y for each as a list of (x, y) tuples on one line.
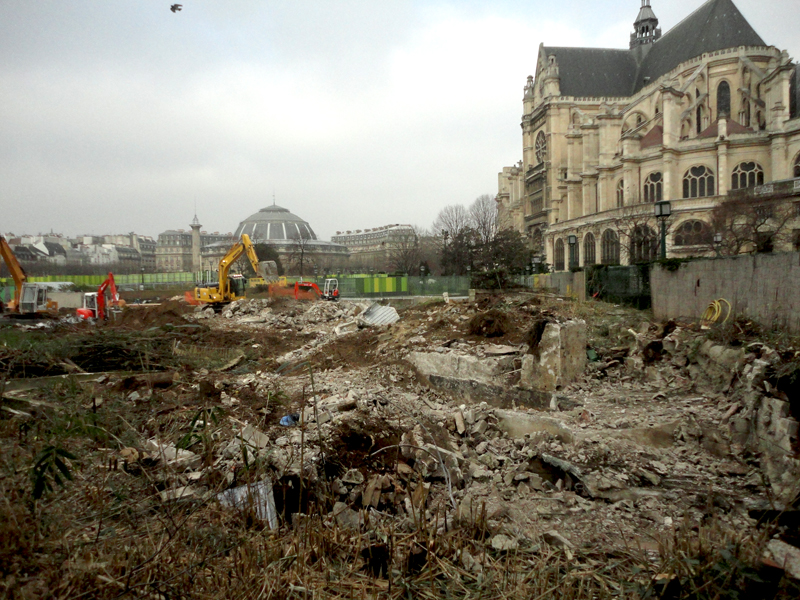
[(237, 285), (331, 290), (33, 300)]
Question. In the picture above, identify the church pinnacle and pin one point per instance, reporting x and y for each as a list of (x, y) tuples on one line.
[(646, 26)]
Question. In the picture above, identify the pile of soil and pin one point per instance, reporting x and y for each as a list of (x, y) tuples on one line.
[(166, 313)]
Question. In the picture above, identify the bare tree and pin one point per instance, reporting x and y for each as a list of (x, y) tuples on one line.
[(639, 232), (748, 223), (301, 256), (405, 255), (453, 219), (483, 217)]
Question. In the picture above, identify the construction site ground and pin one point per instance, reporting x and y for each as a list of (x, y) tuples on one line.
[(285, 449)]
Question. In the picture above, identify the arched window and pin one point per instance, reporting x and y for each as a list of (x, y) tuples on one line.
[(652, 187), (698, 182), (541, 147), (747, 174), (797, 166), (693, 233), (559, 258), (589, 249), (610, 247), (621, 193), (723, 100), (644, 244), (744, 114)]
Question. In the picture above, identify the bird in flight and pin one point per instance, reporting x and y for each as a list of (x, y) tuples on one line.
[(176, 7)]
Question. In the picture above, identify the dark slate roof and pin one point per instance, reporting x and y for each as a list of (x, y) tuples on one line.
[(594, 72), (716, 25)]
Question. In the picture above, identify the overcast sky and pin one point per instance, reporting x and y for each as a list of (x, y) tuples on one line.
[(118, 115)]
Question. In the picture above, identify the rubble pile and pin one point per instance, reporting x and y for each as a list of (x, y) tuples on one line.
[(556, 426)]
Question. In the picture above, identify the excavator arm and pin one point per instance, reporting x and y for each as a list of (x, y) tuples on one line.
[(224, 293), (266, 269), (16, 270)]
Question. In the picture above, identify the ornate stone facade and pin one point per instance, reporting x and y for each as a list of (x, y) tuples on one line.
[(687, 117)]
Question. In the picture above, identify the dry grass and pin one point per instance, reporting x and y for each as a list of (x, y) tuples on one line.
[(107, 534)]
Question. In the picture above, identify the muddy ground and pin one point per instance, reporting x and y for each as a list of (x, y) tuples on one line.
[(636, 479)]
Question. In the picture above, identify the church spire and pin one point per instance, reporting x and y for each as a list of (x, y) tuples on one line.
[(646, 26)]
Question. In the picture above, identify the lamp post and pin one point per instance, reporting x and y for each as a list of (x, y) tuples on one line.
[(573, 241), (717, 242), (662, 210), (141, 287)]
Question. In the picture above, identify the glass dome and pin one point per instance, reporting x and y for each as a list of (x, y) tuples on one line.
[(275, 224)]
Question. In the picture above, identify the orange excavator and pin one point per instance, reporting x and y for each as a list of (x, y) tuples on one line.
[(94, 303), (304, 290), (29, 298)]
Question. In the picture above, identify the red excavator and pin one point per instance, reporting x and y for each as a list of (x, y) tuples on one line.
[(94, 303), (304, 290)]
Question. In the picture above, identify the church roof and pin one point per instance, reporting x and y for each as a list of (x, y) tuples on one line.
[(597, 72), (594, 72), (716, 25)]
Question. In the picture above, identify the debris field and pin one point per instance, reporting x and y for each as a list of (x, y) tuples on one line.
[(519, 445)]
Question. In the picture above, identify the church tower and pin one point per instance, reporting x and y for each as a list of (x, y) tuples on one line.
[(646, 26)]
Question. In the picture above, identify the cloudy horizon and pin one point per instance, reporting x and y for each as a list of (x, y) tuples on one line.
[(123, 116)]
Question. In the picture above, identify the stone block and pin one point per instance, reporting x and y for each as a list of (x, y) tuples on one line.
[(560, 357), (518, 424)]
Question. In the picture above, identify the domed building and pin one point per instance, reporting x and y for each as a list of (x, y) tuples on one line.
[(293, 239)]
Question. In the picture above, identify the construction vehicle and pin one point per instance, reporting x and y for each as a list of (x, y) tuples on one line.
[(232, 287), (30, 299), (329, 292), (94, 303)]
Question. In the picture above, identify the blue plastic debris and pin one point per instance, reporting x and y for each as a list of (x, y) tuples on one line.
[(290, 420)]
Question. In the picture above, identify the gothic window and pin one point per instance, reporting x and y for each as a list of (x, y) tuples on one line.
[(723, 100), (559, 258), (747, 174), (644, 244), (693, 233), (797, 166), (652, 187), (699, 119), (621, 193), (744, 114), (610, 248), (589, 249), (541, 147), (698, 182)]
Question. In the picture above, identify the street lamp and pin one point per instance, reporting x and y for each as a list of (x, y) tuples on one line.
[(537, 264), (662, 210), (717, 242), (142, 286)]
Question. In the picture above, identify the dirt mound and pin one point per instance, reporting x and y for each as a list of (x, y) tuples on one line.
[(492, 323), (166, 313)]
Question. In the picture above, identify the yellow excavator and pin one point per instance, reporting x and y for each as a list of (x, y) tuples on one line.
[(232, 287), (29, 298)]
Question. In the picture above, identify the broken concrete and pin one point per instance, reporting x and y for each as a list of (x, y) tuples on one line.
[(558, 359)]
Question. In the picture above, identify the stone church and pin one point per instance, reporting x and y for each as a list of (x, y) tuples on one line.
[(687, 119)]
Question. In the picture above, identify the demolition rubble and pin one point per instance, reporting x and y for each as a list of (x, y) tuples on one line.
[(544, 423)]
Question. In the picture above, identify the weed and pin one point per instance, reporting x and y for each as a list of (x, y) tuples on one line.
[(49, 466)]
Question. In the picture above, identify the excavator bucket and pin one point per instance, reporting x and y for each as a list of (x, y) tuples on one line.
[(268, 270)]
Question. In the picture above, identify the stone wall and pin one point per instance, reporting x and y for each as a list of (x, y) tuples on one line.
[(762, 287)]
